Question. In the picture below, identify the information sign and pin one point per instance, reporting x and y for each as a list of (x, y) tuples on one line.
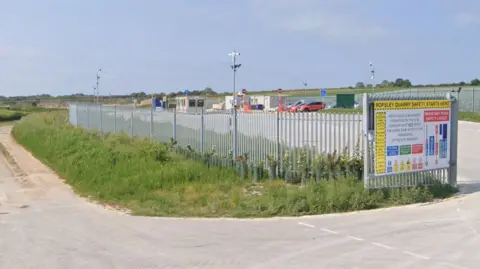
[(411, 136)]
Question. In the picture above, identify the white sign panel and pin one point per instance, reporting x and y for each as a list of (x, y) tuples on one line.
[(411, 136)]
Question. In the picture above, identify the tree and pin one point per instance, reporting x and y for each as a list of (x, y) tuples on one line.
[(369, 86), (475, 82), (359, 85), (398, 82), (402, 83)]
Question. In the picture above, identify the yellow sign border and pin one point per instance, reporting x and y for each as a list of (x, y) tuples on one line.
[(410, 104)]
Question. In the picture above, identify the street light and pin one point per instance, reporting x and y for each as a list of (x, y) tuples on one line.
[(234, 67), (305, 88), (372, 71)]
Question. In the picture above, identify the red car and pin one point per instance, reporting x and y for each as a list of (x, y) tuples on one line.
[(310, 106)]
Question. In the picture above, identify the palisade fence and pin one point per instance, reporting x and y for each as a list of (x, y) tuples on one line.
[(297, 146), (468, 98)]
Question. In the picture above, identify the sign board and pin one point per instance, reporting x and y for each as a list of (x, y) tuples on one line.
[(280, 90), (411, 136), (244, 91), (186, 92), (323, 92)]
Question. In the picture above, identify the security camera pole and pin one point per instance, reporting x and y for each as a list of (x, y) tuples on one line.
[(234, 66), (372, 71), (305, 88)]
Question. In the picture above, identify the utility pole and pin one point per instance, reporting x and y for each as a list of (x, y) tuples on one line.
[(305, 88), (234, 66), (98, 82), (372, 71)]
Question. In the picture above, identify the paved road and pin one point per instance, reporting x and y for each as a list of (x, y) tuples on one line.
[(44, 225)]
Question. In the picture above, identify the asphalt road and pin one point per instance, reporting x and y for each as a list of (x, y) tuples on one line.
[(44, 225)]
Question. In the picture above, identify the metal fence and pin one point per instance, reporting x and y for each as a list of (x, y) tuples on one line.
[(288, 137), (468, 97)]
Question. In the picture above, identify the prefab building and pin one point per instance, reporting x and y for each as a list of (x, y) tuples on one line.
[(189, 103)]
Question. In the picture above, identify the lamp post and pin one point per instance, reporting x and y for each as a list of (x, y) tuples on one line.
[(305, 88)]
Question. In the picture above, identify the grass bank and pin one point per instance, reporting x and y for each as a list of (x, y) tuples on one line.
[(10, 115), (151, 179)]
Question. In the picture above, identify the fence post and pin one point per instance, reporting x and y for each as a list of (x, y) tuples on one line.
[(175, 124), (76, 115), (473, 99), (202, 130), (235, 133), (131, 122), (452, 171), (277, 146), (366, 149), (88, 116), (101, 118), (151, 122), (114, 119)]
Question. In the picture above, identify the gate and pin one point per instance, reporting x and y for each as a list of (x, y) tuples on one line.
[(410, 141)]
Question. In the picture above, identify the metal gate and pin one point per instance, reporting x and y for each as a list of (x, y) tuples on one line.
[(410, 141)]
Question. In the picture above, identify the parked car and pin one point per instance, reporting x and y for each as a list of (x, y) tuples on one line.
[(310, 106), (297, 103)]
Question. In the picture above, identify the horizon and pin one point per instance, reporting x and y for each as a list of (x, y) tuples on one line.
[(151, 46)]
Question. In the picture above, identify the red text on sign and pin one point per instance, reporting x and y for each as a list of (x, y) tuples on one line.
[(436, 115)]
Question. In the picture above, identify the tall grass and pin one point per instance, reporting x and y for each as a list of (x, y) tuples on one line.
[(152, 179)]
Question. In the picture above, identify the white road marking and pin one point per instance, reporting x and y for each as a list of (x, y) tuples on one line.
[(451, 265), (416, 255), (329, 231), (382, 246), (306, 224), (355, 238)]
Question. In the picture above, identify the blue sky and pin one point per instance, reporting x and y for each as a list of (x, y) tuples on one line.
[(55, 46)]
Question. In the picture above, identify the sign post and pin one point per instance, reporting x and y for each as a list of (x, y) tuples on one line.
[(280, 105), (323, 93), (244, 92)]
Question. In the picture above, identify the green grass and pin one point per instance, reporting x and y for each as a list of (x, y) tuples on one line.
[(150, 179), (469, 116), (9, 115)]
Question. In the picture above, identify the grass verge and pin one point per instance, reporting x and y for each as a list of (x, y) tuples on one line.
[(149, 179), (469, 116), (8, 115)]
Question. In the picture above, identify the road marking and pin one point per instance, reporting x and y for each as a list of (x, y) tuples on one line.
[(382, 246), (416, 255), (306, 224), (329, 231), (355, 238)]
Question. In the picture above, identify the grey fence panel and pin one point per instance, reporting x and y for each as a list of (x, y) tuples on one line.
[(293, 139), (468, 97)]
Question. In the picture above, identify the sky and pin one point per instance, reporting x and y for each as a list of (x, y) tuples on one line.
[(56, 46)]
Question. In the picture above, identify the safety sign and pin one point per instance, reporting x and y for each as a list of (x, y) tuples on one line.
[(411, 135)]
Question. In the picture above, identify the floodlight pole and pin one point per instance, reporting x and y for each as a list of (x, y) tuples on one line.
[(372, 71), (234, 67)]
